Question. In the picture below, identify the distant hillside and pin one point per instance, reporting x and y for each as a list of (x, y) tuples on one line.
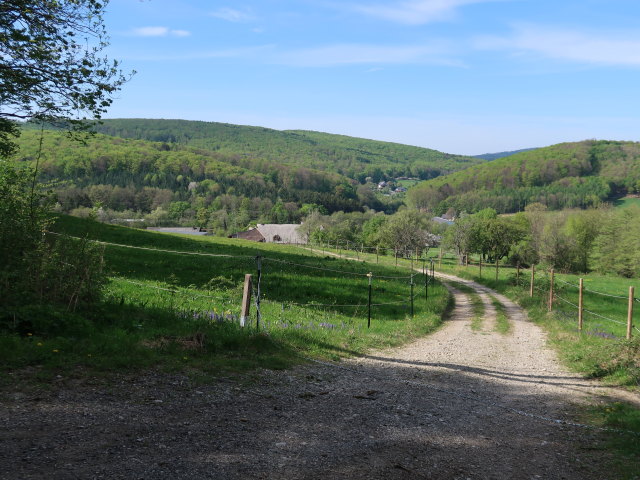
[(494, 156), (579, 174), (355, 158), (141, 175)]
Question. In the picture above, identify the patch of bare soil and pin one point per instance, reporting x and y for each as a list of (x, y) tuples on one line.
[(459, 404)]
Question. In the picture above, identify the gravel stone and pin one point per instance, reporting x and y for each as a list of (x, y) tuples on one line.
[(458, 404)]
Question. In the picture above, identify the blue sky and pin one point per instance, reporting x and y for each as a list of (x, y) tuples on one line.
[(460, 76)]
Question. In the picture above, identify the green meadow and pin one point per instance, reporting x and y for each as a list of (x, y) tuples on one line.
[(626, 202), (174, 301)]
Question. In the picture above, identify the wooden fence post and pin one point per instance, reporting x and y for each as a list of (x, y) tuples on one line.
[(412, 295), (370, 275), (630, 313), (497, 268), (440, 259), (246, 300), (580, 305), (551, 290), (480, 265), (533, 279), (377, 254)]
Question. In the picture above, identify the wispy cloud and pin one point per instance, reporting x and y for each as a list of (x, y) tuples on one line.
[(413, 12), (233, 15), (158, 32), (570, 45), (252, 53), (362, 54)]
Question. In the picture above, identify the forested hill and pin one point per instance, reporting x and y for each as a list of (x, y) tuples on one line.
[(355, 158), (141, 175), (579, 174)]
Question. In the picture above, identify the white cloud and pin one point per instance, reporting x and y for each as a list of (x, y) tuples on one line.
[(232, 15), (158, 32), (582, 47), (180, 33), (253, 53), (414, 12), (354, 54)]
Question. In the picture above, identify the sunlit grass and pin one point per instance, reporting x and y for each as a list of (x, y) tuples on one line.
[(172, 311)]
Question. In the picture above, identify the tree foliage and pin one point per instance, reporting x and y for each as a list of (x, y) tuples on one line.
[(39, 268), (51, 67), (355, 158), (568, 175)]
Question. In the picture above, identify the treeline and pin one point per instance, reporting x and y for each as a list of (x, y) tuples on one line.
[(605, 240), (568, 175), (355, 158)]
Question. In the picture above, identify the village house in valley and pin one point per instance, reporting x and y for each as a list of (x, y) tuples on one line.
[(273, 233)]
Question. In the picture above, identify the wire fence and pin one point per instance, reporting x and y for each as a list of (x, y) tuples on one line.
[(564, 295), (569, 301), (191, 301)]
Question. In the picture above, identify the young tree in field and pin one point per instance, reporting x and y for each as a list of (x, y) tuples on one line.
[(407, 231), (51, 67)]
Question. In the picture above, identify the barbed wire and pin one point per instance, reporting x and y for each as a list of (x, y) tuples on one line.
[(557, 297), (286, 262), (177, 252), (603, 317), (606, 294), (566, 283), (155, 287)]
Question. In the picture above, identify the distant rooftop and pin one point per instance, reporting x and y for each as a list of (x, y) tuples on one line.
[(183, 230)]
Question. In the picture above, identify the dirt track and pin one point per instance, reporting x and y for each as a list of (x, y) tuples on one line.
[(459, 404)]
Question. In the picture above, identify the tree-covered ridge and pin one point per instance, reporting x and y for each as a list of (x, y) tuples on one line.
[(184, 172), (355, 158), (579, 174)]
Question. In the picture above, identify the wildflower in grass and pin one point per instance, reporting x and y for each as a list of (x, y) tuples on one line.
[(185, 358), (29, 334), (326, 325), (55, 350), (39, 344), (88, 355)]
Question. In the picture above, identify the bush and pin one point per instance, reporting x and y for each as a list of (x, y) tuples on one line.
[(40, 268)]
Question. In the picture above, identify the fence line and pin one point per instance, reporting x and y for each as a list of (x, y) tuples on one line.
[(256, 286), (177, 252)]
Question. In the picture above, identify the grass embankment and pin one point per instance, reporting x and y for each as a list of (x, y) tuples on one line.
[(179, 311)]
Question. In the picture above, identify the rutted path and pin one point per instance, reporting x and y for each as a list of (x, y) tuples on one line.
[(458, 404)]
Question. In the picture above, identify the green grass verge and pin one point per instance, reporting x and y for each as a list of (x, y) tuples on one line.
[(477, 305), (503, 325), (626, 202), (625, 441)]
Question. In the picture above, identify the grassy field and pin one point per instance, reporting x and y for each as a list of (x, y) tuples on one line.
[(173, 302), (625, 202)]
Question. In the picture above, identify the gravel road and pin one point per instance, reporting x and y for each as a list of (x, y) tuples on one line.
[(458, 404)]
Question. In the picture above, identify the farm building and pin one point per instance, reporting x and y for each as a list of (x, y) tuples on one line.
[(272, 233), (183, 230)]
